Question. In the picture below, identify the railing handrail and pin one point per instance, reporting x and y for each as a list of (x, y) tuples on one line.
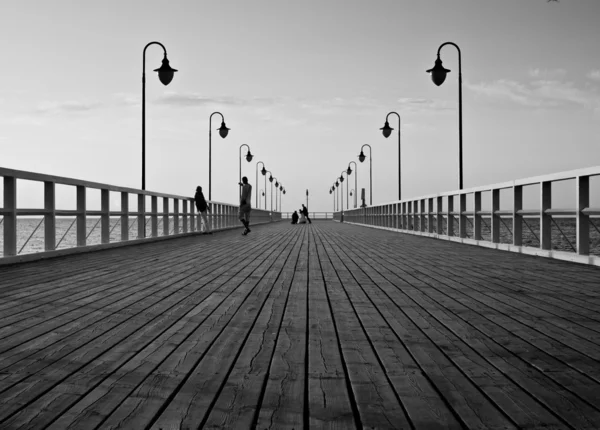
[(552, 177), (42, 177)]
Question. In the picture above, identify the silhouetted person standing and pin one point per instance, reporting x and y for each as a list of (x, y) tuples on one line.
[(202, 207), (305, 212), (295, 218), (245, 196)]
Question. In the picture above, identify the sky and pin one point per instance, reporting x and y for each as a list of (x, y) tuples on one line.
[(305, 84)]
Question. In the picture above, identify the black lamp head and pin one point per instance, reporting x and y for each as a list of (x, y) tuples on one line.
[(349, 171), (263, 171), (283, 191), (337, 184), (271, 178), (438, 72), (350, 193), (249, 156), (223, 130), (276, 184), (361, 156), (281, 188), (165, 72), (341, 178), (386, 129)]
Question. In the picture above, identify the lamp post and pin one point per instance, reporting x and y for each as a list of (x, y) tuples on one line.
[(276, 185), (361, 158), (349, 172), (387, 131), (165, 74), (264, 173), (280, 190), (223, 131), (353, 193), (331, 192), (438, 75), (342, 193), (262, 193), (337, 194), (248, 159), (271, 181)]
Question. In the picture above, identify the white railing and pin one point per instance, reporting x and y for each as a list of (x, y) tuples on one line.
[(98, 210), (435, 216)]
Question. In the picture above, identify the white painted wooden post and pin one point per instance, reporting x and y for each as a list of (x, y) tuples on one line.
[(192, 216), (165, 215), (10, 216), (450, 217), (422, 222), (185, 216), (517, 218), (430, 215), (583, 220), (438, 216), (462, 217), (175, 216), (124, 216), (81, 216), (141, 217), (49, 216), (104, 216), (477, 215), (397, 221), (154, 216), (545, 219), (495, 217), (410, 222)]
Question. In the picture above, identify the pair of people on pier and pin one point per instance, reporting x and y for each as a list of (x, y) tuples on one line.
[(244, 210)]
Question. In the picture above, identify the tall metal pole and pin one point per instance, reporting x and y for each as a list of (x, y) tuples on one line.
[(256, 183), (460, 139), (355, 179), (370, 172), (210, 152), (399, 159), (144, 109), (240, 177)]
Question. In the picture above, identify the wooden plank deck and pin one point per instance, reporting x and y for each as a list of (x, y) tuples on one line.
[(311, 326)]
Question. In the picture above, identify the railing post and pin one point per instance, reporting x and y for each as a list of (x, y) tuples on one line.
[(10, 216), (430, 215), (517, 218), (450, 219), (175, 216), (104, 216), (49, 216), (438, 216), (422, 222), (583, 220), (124, 216), (165, 216), (154, 216), (495, 217), (545, 219), (81, 215), (477, 215), (462, 217), (141, 217), (410, 222), (185, 214)]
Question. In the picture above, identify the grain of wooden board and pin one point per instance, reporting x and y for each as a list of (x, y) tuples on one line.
[(324, 326)]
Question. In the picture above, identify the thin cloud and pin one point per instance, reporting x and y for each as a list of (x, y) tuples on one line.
[(70, 106), (594, 75), (192, 99), (538, 93), (547, 73), (424, 104)]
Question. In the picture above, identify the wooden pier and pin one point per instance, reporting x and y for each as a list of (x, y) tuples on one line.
[(324, 325)]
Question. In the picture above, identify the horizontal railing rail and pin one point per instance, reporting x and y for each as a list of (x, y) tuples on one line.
[(435, 215), (311, 215), (168, 215)]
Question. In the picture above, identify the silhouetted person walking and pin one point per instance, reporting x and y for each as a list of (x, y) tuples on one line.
[(245, 196), (305, 212), (202, 207)]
